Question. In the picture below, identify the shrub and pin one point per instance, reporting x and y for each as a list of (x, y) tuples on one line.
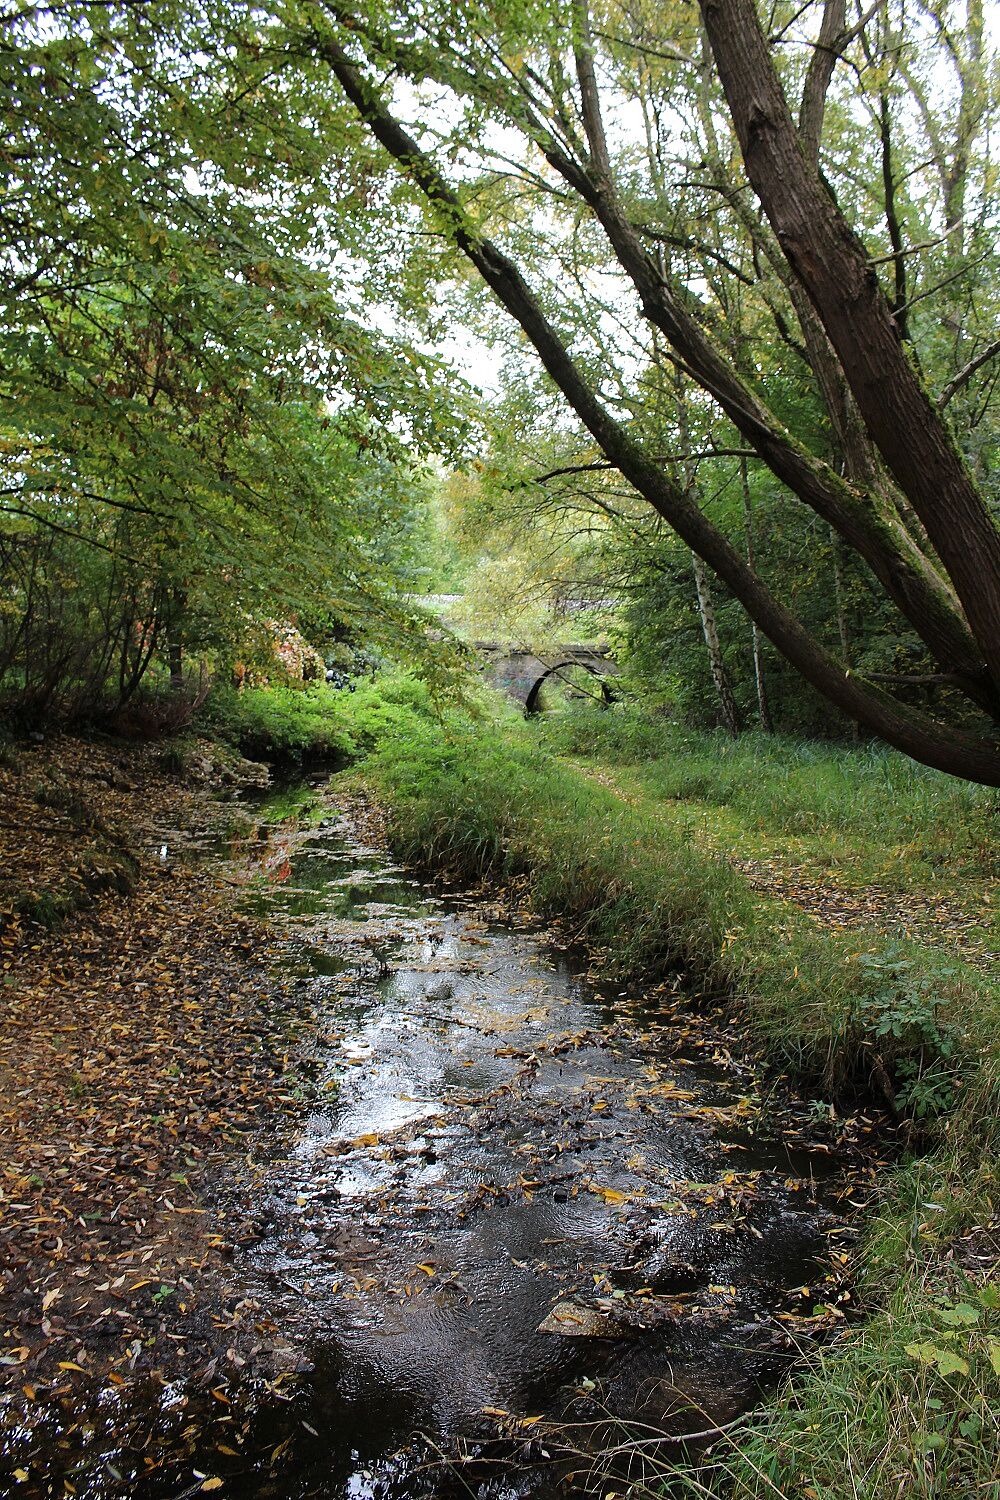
[(281, 723)]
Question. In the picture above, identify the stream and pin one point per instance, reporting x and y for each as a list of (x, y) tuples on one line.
[(523, 1215)]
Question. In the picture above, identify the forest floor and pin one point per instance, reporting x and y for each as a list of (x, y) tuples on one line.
[(141, 1039)]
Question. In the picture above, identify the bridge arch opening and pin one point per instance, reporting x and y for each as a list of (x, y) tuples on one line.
[(533, 705)]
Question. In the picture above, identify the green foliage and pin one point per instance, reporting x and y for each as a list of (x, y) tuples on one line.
[(320, 723), (385, 710), (281, 723), (906, 1403), (900, 1014), (625, 732), (198, 437)]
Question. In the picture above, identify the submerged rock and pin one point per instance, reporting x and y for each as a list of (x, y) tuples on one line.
[(574, 1320)]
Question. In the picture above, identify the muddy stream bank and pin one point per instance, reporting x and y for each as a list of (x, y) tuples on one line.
[(521, 1214)]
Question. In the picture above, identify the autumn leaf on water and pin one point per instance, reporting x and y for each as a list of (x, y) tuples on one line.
[(609, 1194)]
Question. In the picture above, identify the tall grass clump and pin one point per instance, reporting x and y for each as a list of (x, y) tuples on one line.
[(907, 1403)]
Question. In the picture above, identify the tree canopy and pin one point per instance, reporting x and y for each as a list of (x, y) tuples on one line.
[(747, 257), (199, 429)]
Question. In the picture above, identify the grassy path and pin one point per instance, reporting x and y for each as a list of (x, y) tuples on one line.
[(841, 880)]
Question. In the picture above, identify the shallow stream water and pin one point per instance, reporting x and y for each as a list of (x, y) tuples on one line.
[(523, 1216), (520, 1196)]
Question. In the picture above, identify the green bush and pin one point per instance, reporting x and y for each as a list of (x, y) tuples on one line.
[(281, 723), (386, 709)]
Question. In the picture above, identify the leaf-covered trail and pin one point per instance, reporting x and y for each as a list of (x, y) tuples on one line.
[(139, 1045)]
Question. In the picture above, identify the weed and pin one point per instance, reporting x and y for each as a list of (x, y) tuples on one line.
[(900, 1020)]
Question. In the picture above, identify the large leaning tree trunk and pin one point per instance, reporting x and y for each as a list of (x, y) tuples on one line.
[(910, 511), (830, 262)]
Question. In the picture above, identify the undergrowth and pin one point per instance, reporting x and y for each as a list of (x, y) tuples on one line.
[(906, 1404), (280, 723), (313, 722)]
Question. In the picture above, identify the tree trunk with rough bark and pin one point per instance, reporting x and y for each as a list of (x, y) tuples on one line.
[(830, 262)]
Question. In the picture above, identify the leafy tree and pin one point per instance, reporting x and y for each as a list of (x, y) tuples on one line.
[(197, 435), (758, 255)]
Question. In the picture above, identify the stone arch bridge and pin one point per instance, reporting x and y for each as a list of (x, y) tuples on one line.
[(520, 673)]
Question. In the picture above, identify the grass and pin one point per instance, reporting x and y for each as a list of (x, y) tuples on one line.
[(869, 813), (313, 722), (907, 1403)]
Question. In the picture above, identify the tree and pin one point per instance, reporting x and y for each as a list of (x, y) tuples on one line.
[(196, 434), (901, 495)]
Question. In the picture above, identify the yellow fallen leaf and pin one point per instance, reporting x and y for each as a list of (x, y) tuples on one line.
[(610, 1195), (212, 1484), (427, 1268), (67, 1364)]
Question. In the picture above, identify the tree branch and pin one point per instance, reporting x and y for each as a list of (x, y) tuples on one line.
[(916, 734), (966, 373)]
